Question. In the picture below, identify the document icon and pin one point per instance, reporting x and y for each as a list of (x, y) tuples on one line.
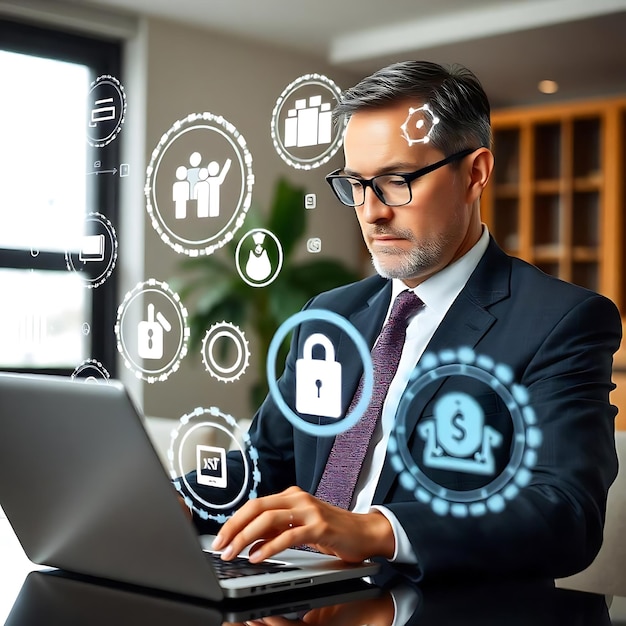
[(211, 466), (92, 248)]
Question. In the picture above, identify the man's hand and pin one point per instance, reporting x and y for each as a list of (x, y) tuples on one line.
[(294, 517)]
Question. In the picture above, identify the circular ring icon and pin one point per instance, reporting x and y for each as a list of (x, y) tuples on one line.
[(264, 258), (199, 184), (302, 127), (321, 430), (526, 435), (250, 456), (107, 110), (91, 371), (152, 331), (96, 254), (225, 331)]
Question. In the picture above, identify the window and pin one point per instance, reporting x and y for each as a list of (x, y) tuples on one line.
[(58, 202)]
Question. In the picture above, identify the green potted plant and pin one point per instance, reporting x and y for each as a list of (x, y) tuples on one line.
[(220, 294)]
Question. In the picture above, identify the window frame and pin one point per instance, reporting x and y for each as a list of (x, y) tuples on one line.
[(102, 56)]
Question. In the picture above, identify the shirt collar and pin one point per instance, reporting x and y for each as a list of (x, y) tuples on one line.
[(440, 290)]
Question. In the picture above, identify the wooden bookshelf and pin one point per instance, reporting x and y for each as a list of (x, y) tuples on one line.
[(556, 198)]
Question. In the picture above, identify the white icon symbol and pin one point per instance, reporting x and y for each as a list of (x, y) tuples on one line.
[(150, 335), (258, 266), (124, 169), (225, 331), (318, 381), (211, 466), (310, 201), (101, 113), (419, 124), (86, 328), (310, 125), (457, 438), (202, 184), (92, 248), (314, 245)]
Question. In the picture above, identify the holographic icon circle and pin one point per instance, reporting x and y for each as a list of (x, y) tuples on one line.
[(218, 333), (199, 184), (339, 426), (210, 461), (259, 257), (94, 255), (457, 429), (91, 371), (419, 124), (152, 331), (106, 105), (302, 127)]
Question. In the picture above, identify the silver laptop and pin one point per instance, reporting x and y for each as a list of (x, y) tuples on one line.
[(53, 597), (85, 491)]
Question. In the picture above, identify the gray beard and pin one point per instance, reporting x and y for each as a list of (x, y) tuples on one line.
[(409, 264)]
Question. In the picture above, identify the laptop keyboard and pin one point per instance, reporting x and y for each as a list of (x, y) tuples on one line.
[(243, 567)]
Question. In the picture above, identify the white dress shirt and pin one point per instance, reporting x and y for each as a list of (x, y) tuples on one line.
[(437, 293)]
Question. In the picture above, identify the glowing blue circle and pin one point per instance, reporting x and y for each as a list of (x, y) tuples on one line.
[(321, 430), (526, 438)]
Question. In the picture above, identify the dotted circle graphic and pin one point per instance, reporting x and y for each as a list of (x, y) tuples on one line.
[(225, 330), (187, 425), (207, 244), (109, 84), (527, 436), (161, 372), (287, 153), (321, 430), (108, 253), (94, 370)]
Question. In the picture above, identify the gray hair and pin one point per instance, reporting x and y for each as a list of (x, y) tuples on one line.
[(453, 93)]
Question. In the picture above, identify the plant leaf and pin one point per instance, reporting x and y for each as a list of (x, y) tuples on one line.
[(287, 218)]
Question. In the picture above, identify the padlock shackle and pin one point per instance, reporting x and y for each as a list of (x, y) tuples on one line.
[(318, 339)]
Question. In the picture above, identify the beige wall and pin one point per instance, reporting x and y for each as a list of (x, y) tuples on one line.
[(190, 70)]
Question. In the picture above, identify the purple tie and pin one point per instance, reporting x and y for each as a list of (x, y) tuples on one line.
[(348, 452)]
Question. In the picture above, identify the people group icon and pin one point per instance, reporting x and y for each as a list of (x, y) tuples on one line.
[(202, 184)]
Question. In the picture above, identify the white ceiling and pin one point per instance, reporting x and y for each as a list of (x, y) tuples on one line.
[(510, 45)]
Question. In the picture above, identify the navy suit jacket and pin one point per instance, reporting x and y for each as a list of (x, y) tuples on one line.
[(558, 340)]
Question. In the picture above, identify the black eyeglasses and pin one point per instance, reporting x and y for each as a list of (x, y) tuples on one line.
[(391, 189)]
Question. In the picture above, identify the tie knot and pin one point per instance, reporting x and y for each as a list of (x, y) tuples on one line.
[(405, 305)]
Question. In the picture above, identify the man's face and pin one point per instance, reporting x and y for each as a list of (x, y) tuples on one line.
[(439, 225)]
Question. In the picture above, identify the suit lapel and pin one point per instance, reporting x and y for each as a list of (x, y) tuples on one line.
[(465, 324)]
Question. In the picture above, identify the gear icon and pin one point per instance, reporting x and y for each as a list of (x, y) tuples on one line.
[(226, 330)]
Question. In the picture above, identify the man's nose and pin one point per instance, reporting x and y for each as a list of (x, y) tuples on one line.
[(374, 209)]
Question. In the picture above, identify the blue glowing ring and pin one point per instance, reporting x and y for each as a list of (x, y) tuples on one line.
[(527, 437), (321, 430)]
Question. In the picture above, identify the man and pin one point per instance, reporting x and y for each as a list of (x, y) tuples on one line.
[(417, 159)]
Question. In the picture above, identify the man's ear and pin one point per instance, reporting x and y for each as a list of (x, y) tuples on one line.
[(481, 166)]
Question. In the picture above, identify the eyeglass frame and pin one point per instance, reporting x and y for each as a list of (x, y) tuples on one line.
[(408, 178)]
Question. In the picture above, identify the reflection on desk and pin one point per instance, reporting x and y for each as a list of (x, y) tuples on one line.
[(56, 597)]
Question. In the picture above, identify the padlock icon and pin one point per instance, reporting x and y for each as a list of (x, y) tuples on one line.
[(318, 381), (150, 335)]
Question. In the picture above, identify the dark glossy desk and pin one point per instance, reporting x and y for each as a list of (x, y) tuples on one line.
[(30, 597)]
